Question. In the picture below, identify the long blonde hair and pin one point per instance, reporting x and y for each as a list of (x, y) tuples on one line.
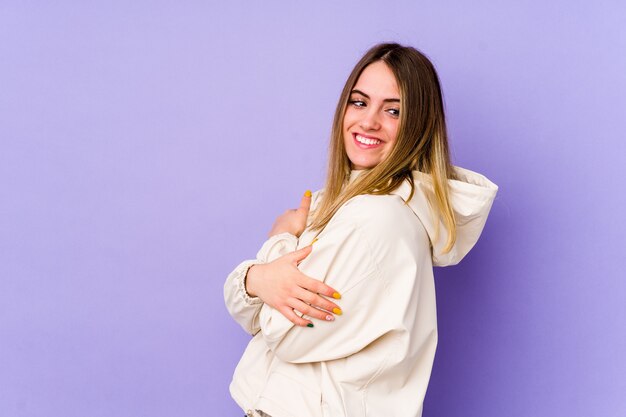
[(421, 144)]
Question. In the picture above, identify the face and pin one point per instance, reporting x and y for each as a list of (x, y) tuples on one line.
[(372, 118)]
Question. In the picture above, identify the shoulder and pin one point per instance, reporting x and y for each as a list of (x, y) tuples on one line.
[(389, 230), (388, 209), (382, 217)]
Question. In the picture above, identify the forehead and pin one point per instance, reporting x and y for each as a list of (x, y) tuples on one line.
[(377, 80)]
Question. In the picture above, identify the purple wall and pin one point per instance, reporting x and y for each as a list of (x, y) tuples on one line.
[(146, 148)]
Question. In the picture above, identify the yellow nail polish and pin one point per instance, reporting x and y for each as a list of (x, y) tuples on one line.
[(336, 295), (337, 311), (307, 193)]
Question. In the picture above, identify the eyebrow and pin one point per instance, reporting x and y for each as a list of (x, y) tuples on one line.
[(393, 100)]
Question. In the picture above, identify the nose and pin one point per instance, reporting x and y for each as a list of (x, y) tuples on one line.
[(370, 121)]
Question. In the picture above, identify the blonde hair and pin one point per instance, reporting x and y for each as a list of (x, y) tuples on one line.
[(421, 144)]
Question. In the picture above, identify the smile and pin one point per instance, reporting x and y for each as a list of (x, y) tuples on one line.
[(365, 142)]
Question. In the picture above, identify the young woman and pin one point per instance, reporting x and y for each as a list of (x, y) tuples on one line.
[(347, 326)]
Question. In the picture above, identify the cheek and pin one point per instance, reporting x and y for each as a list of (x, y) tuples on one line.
[(347, 120), (394, 130)]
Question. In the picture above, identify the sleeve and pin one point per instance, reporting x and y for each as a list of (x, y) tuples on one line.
[(343, 257), (241, 306)]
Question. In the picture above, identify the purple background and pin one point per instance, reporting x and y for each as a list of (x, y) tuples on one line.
[(146, 148)]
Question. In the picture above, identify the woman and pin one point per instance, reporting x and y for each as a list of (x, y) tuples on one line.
[(347, 326)]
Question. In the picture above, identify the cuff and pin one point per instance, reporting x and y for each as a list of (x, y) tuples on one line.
[(241, 282)]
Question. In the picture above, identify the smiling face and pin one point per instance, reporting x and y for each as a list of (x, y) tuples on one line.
[(372, 118)]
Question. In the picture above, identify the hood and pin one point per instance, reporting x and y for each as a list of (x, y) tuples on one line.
[(471, 197)]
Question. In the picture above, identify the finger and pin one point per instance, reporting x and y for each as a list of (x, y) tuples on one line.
[(317, 286), (311, 311), (293, 317), (318, 302), (299, 255), (305, 203)]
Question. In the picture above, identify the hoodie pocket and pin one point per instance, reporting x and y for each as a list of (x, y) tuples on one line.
[(283, 394)]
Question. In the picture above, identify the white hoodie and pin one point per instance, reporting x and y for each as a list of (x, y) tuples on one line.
[(376, 358)]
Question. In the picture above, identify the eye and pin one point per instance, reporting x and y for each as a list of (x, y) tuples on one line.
[(357, 103), (394, 112)]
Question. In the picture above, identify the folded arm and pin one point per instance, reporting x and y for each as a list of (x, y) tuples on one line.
[(241, 306), (371, 262)]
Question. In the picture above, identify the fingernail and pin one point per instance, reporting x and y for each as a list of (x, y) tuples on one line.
[(330, 317), (307, 193), (309, 325), (337, 311), (336, 295)]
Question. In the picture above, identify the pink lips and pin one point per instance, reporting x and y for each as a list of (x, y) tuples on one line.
[(363, 145)]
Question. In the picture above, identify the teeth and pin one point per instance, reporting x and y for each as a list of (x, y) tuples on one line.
[(367, 141)]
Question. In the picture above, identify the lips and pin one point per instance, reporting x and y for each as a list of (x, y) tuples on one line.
[(366, 142)]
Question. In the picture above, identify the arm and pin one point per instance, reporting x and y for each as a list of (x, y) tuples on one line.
[(279, 285), (369, 256), (241, 306)]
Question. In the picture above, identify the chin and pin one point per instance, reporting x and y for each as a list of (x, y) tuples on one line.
[(363, 165)]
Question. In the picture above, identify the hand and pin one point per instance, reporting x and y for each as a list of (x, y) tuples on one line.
[(293, 221), (281, 285)]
